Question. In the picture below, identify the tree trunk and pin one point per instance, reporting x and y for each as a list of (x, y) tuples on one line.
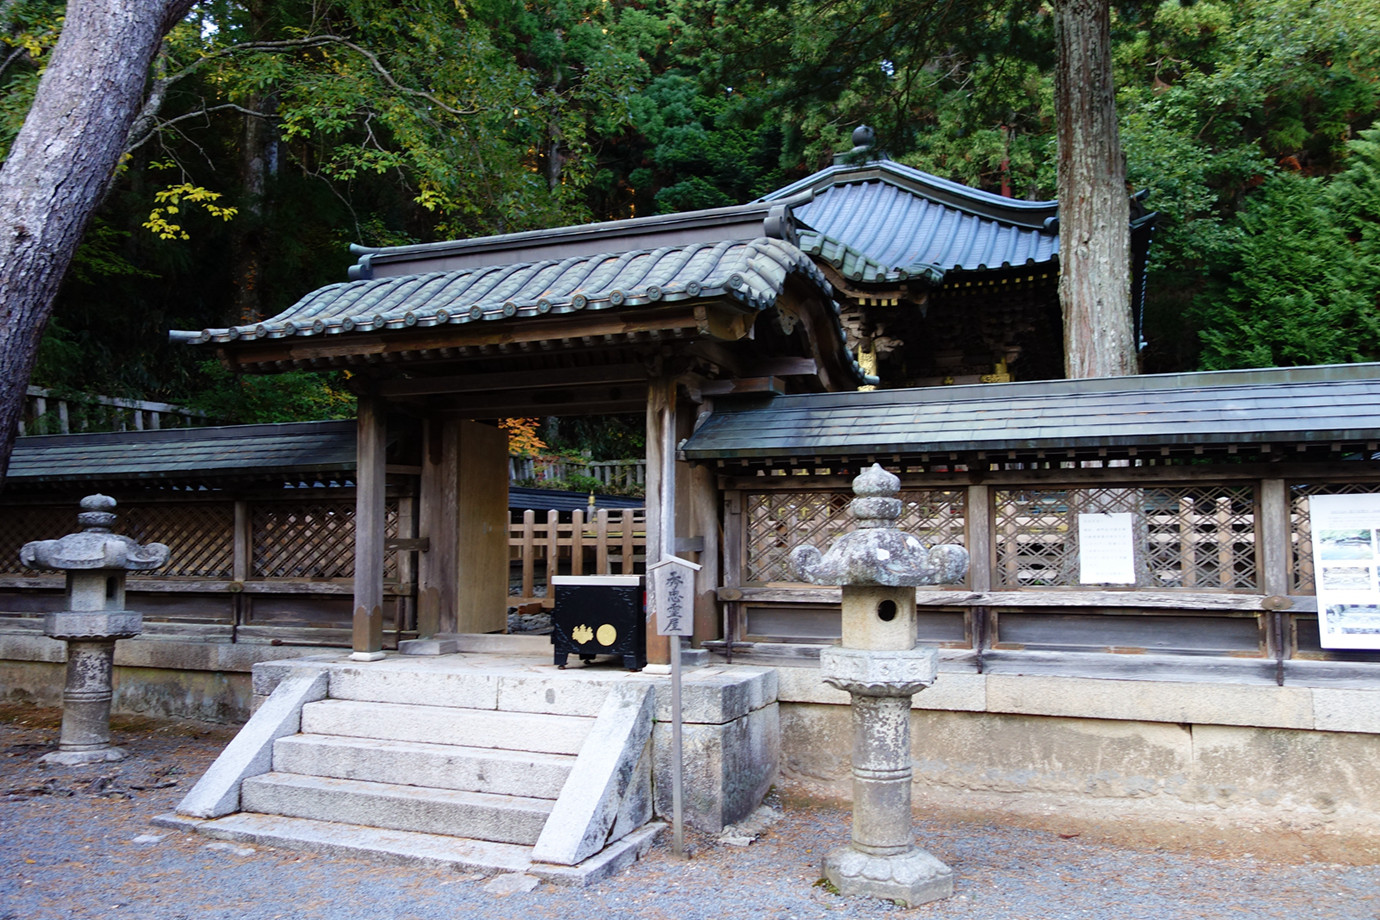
[(1094, 210), (59, 168)]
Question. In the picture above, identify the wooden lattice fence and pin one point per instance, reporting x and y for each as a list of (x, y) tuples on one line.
[(1194, 537), (609, 543)]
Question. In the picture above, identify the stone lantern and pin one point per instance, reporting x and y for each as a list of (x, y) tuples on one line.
[(881, 667), (95, 561)]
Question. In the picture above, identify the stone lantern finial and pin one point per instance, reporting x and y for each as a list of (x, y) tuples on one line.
[(95, 547), (875, 552)]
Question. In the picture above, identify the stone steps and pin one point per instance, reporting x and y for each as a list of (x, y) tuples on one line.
[(473, 815), (513, 731), (429, 764), (439, 766)]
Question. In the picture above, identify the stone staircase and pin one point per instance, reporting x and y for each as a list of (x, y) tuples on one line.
[(551, 777)]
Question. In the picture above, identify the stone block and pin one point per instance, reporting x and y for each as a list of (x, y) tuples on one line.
[(400, 681), (1346, 710), (728, 768), (502, 819), (911, 879), (496, 772), (716, 695), (1152, 701), (879, 673), (1322, 773), (514, 731), (593, 798), (878, 617), (566, 694), (251, 752), (428, 646), (93, 624)]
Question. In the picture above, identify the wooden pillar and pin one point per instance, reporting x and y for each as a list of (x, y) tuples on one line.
[(981, 552), (1276, 561), (705, 505), (370, 515), (436, 525), (661, 396)]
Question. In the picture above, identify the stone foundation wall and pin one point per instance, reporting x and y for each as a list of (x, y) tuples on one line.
[(207, 681), (1297, 756)]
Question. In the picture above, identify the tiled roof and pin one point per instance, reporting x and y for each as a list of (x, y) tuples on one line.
[(912, 224), (1322, 404), (184, 454), (752, 272), (882, 221)]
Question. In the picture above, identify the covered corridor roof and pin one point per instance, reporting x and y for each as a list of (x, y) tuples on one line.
[(1327, 404)]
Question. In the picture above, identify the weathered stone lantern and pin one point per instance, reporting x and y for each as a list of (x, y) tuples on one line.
[(95, 561), (881, 667)]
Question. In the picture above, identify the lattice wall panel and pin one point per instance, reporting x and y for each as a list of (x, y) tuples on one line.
[(1302, 528), (200, 536), (311, 540), (778, 522), (1184, 537), (20, 525)]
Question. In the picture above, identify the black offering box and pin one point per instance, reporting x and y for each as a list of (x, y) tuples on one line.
[(600, 615)]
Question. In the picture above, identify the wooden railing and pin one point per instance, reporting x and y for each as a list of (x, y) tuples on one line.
[(47, 413), (609, 543)]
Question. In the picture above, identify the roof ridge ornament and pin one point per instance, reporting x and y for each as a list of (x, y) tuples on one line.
[(864, 148)]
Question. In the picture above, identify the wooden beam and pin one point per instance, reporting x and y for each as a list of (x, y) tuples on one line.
[(370, 520), (514, 380), (576, 401), (930, 597), (673, 319)]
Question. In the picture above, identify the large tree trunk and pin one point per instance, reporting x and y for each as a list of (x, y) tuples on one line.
[(60, 166), (1094, 210)]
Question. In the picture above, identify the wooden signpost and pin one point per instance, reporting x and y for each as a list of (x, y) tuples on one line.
[(673, 598)]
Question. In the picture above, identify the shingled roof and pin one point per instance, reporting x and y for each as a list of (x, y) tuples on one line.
[(294, 450), (1329, 404)]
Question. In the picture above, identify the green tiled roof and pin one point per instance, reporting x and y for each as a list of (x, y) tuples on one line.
[(751, 272)]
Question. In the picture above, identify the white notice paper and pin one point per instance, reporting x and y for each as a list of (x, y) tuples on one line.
[(1106, 549)]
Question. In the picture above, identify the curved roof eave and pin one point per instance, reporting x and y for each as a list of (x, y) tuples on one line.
[(1029, 214), (752, 273)]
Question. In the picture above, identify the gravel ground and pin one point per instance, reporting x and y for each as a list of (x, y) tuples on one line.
[(77, 842)]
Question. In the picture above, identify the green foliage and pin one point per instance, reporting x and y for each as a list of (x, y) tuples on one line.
[(1301, 291), (609, 437), (295, 396)]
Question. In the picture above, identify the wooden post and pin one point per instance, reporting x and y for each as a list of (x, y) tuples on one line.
[(661, 395), (704, 515), (553, 555), (436, 567), (981, 558), (529, 554), (1275, 558), (370, 517)]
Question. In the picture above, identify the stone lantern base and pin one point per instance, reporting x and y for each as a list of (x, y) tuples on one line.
[(914, 877)]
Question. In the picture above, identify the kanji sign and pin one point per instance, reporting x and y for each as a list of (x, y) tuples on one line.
[(673, 596)]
